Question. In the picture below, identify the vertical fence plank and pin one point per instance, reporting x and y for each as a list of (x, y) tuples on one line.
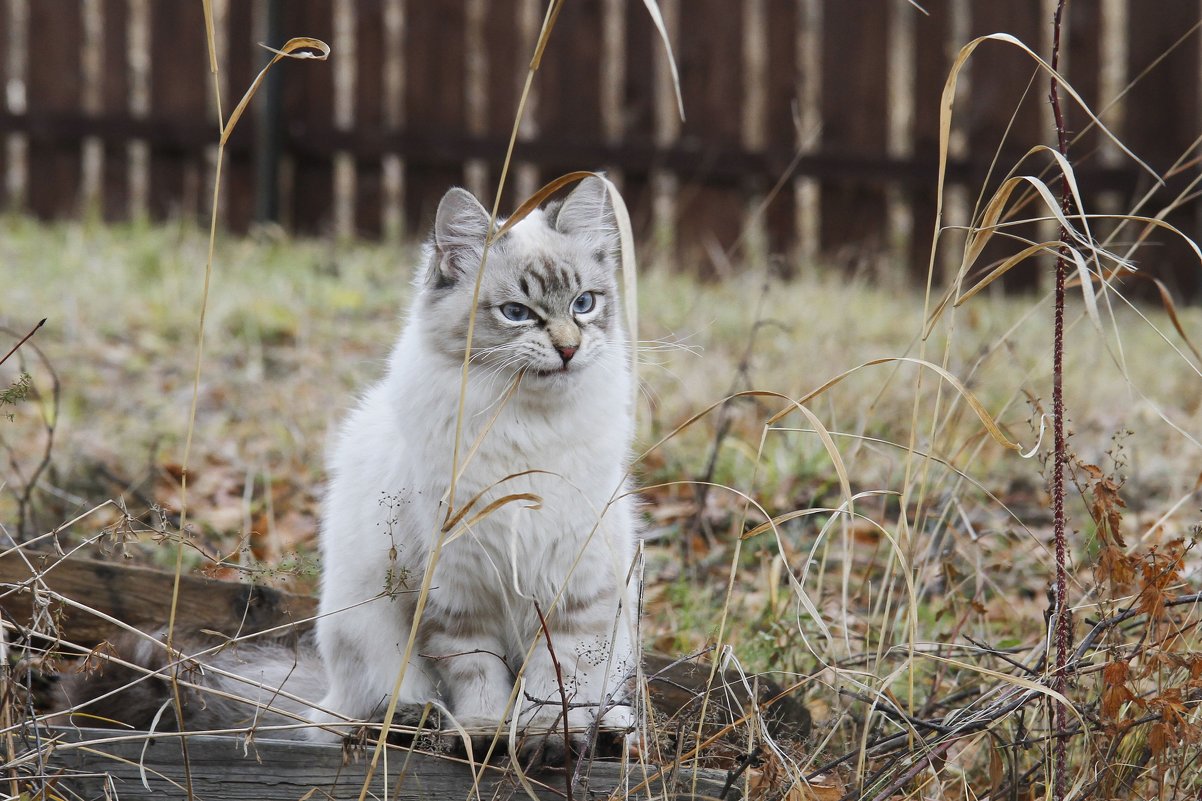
[(1006, 111), (505, 68), (434, 100), (1081, 37), (309, 100), (6, 79), (783, 97), (53, 88), (243, 30), (855, 41), (179, 75), (932, 63), (638, 111), (369, 113), (1162, 122), (709, 218), (115, 87), (569, 83)]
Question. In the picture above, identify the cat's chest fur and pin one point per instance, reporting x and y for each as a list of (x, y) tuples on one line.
[(541, 477)]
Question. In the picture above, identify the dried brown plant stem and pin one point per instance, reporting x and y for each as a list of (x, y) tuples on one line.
[(24, 339), (563, 698), (1060, 610)]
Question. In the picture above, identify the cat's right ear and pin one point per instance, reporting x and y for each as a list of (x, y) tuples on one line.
[(460, 227)]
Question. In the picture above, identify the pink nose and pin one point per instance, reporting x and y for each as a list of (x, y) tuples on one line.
[(566, 353)]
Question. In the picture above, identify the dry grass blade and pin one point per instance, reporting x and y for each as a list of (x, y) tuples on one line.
[(537, 199), (978, 408), (302, 47), (467, 507), (658, 19)]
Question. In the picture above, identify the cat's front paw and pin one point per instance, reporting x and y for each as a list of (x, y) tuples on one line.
[(618, 719), (475, 738), (548, 749)]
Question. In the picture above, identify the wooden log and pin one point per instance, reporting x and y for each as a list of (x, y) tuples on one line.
[(137, 596), (141, 597), (232, 769)]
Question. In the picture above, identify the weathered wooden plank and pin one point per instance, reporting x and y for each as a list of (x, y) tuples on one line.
[(138, 596), (230, 769), (141, 597)]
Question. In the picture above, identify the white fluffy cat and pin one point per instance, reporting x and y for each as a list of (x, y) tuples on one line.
[(549, 319)]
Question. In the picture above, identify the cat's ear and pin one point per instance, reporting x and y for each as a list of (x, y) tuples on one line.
[(460, 227), (587, 213)]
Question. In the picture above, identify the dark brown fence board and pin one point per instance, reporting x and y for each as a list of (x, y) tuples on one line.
[(6, 11), (854, 80), (369, 112), (1161, 122), (569, 81), (711, 78), (1081, 43), (309, 100), (780, 127), (115, 86), (506, 68), (435, 86), (638, 110), (179, 80), (932, 64), (56, 27), (1005, 111), (245, 60)]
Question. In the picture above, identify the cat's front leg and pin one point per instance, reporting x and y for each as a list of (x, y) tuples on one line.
[(361, 646), (476, 679), (594, 656)]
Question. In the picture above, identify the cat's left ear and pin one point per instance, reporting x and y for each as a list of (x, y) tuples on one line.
[(587, 213), (460, 227)]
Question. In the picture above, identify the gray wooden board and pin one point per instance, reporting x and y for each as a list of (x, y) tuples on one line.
[(224, 768)]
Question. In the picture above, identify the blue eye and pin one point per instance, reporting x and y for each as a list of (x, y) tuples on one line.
[(516, 312), (584, 304)]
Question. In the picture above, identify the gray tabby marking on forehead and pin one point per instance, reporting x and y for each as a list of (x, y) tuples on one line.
[(552, 278)]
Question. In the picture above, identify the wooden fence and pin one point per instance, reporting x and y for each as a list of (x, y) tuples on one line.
[(811, 125)]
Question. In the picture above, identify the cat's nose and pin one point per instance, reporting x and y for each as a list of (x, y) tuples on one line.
[(566, 353)]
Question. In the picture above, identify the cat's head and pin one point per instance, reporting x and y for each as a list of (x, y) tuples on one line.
[(548, 302)]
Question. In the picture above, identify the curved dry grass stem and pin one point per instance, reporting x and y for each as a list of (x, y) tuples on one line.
[(224, 129)]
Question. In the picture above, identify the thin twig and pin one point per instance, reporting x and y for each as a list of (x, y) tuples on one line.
[(32, 331), (563, 697)]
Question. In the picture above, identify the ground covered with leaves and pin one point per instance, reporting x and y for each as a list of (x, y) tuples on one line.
[(830, 498)]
